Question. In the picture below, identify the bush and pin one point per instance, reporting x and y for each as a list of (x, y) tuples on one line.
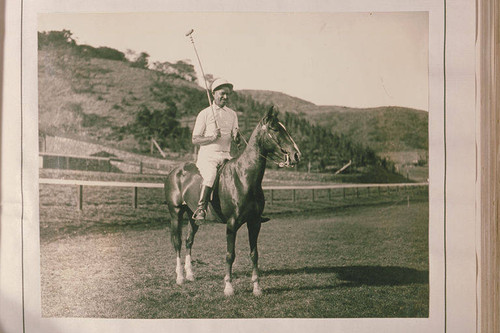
[(101, 52), (55, 39), (142, 61)]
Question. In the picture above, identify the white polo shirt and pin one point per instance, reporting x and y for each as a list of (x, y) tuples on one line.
[(227, 120)]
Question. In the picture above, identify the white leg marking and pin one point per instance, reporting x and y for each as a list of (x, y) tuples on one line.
[(178, 271), (228, 290), (256, 288), (188, 268)]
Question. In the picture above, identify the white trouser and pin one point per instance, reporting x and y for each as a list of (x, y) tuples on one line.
[(207, 164)]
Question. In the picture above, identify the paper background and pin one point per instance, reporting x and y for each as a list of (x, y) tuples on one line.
[(460, 165)]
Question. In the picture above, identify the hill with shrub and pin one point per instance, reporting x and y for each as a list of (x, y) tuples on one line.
[(99, 94), (384, 129)]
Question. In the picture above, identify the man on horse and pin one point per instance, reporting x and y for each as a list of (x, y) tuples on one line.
[(215, 127)]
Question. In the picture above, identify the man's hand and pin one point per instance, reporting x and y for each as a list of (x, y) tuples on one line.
[(237, 140), (205, 140), (217, 133)]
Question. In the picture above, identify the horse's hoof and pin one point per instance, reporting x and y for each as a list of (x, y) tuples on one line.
[(257, 292), (256, 288), (190, 277), (179, 281), (229, 291)]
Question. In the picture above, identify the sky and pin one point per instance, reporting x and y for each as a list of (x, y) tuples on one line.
[(345, 59)]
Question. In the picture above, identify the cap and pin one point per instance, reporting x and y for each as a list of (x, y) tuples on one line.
[(218, 83)]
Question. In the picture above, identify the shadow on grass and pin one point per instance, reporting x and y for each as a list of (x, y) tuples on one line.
[(362, 275)]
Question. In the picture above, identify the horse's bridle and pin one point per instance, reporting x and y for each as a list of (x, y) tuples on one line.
[(281, 164)]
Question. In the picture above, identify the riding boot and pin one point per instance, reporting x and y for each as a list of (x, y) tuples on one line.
[(201, 212)]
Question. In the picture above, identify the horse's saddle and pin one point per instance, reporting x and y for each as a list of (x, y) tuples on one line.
[(214, 212)]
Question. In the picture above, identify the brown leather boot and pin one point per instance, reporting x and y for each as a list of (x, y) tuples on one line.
[(201, 212)]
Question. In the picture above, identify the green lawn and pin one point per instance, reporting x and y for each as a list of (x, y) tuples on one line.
[(365, 261)]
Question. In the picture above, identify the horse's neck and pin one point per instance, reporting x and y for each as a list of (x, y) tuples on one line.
[(252, 162)]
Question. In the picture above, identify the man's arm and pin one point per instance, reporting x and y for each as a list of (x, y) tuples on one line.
[(237, 137), (236, 131), (205, 140), (198, 137)]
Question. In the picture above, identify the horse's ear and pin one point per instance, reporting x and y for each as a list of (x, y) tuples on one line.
[(271, 113)]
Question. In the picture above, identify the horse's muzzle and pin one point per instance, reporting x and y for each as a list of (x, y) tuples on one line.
[(290, 160)]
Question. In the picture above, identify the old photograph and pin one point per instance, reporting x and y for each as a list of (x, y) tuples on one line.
[(234, 165)]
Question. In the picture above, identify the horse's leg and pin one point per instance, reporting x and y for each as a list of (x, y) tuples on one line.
[(176, 237), (192, 229), (230, 256), (253, 235)]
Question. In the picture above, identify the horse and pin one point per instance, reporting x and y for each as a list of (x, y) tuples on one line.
[(237, 197)]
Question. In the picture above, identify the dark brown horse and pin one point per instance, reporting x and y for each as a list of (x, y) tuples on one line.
[(237, 198)]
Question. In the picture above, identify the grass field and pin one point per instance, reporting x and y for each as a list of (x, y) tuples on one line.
[(353, 257)]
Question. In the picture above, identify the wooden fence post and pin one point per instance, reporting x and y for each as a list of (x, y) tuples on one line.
[(134, 197), (80, 197), (272, 197), (293, 196), (313, 194)]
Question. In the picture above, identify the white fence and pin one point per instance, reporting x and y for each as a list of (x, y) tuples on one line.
[(134, 186)]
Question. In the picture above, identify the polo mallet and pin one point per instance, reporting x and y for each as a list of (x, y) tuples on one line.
[(190, 35)]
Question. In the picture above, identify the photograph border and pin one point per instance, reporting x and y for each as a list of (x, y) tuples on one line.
[(447, 193)]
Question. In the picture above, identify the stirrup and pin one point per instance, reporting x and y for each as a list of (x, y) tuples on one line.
[(199, 216)]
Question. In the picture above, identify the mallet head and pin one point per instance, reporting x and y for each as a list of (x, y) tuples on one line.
[(189, 32)]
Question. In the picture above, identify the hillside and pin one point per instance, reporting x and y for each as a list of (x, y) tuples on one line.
[(91, 98), (96, 95), (283, 101), (384, 129)]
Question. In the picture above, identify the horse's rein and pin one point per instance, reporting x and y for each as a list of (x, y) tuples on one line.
[(280, 164)]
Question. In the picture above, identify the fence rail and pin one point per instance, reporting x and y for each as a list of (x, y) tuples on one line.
[(95, 163), (293, 189)]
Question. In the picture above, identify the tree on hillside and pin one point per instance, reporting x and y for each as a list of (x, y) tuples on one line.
[(130, 55), (209, 78), (161, 125), (109, 53), (181, 69), (55, 39), (189, 100), (158, 120), (162, 67), (185, 70), (101, 52), (142, 61)]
